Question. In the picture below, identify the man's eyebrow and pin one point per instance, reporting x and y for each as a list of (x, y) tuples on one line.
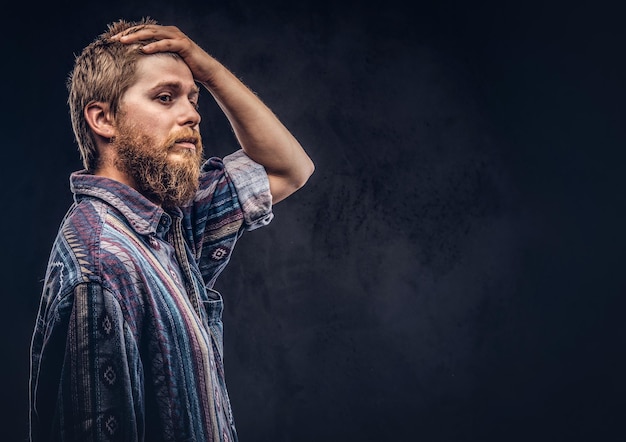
[(176, 85)]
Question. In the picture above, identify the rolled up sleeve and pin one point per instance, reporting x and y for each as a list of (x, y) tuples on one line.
[(253, 189)]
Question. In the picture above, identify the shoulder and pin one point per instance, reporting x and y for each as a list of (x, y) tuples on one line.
[(76, 246)]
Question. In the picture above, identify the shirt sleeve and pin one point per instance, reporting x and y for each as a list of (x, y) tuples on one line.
[(96, 395), (233, 197), (253, 189)]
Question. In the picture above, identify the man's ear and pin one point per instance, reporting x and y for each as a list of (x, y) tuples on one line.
[(100, 118)]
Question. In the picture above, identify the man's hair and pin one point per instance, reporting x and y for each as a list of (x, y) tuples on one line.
[(103, 71)]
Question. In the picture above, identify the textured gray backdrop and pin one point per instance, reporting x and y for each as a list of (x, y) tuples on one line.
[(452, 271)]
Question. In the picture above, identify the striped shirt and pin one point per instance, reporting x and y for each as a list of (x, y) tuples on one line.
[(127, 344)]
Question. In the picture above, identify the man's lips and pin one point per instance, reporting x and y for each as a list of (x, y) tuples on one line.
[(187, 143)]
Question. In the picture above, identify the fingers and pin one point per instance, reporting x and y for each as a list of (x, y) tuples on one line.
[(169, 39), (149, 32)]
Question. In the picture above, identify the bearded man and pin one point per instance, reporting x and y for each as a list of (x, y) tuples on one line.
[(127, 343)]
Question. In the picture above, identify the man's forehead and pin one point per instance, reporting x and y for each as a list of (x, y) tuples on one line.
[(165, 71)]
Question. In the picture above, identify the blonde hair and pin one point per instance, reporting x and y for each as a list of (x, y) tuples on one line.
[(103, 71)]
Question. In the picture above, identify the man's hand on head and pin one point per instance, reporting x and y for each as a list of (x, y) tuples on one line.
[(171, 39)]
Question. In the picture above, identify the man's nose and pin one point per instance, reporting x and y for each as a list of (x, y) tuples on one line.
[(190, 115)]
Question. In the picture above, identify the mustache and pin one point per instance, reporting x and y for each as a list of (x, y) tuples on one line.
[(187, 135)]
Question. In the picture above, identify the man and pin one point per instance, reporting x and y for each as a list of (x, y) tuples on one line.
[(128, 340)]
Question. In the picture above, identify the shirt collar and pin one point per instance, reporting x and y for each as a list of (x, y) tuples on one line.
[(142, 215)]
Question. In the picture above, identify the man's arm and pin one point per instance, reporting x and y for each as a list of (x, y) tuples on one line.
[(261, 135)]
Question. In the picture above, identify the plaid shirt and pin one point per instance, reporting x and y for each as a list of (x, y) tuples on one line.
[(127, 344)]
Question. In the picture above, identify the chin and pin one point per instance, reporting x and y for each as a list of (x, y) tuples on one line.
[(185, 155)]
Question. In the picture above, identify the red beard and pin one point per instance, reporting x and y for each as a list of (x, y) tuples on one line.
[(165, 181)]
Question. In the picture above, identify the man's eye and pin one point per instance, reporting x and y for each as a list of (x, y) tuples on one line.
[(165, 98)]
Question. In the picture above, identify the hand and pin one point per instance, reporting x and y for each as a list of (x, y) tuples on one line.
[(171, 39)]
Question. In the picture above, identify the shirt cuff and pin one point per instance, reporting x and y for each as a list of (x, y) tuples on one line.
[(253, 189)]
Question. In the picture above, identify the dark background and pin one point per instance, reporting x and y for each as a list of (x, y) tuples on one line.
[(453, 271)]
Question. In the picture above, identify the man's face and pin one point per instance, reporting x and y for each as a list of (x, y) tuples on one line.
[(158, 144)]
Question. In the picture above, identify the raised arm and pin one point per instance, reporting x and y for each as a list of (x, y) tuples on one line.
[(260, 133)]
